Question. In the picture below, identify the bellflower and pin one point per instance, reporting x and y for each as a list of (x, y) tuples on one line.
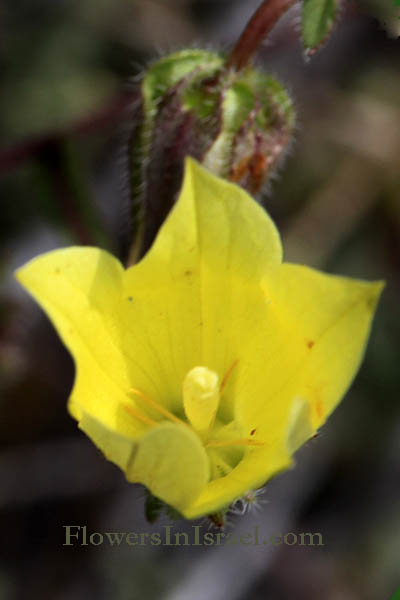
[(204, 367)]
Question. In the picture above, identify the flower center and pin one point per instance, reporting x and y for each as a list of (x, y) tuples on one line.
[(201, 391)]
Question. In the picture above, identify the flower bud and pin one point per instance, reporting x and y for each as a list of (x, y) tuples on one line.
[(238, 123)]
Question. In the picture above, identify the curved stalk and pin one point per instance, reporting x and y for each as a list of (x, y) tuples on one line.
[(260, 24)]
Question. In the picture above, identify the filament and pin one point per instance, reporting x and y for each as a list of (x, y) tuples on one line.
[(139, 416), (158, 407), (227, 375)]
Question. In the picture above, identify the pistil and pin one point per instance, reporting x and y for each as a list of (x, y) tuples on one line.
[(201, 394)]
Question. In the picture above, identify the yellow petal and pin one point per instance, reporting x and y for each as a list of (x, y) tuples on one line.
[(258, 466), (332, 316), (299, 428), (115, 447), (171, 462), (81, 291), (197, 279), (317, 328)]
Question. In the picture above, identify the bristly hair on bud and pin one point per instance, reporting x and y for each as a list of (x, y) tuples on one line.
[(221, 110), (250, 501)]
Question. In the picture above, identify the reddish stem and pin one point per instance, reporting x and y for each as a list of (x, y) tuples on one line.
[(260, 24)]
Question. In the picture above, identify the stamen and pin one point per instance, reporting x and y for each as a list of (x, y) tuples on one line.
[(239, 442), (139, 416), (227, 375), (158, 407)]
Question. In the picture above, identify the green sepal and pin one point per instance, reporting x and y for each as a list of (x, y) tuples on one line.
[(318, 17), (153, 507), (172, 513), (219, 519)]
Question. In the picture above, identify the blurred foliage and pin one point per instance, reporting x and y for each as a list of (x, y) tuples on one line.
[(337, 203), (387, 12)]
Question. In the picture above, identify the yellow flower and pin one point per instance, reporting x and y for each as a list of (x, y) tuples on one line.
[(202, 369)]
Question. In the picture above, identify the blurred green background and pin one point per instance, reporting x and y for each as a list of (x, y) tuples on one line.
[(66, 91)]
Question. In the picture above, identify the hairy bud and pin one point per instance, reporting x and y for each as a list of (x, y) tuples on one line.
[(236, 122)]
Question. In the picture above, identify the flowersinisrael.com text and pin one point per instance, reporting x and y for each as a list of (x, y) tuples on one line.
[(78, 535)]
